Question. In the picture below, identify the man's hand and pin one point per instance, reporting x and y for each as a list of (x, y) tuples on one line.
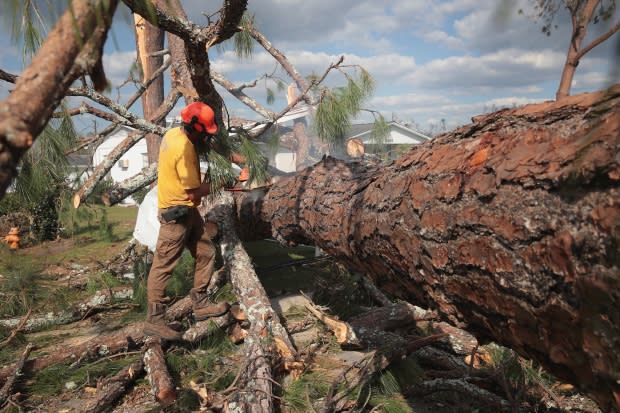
[(196, 194)]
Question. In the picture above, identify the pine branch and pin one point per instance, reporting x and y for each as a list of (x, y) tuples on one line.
[(286, 64), (237, 92)]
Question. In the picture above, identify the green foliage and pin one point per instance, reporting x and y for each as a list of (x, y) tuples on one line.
[(206, 362), (9, 203), (100, 188), (220, 173), (545, 11), (182, 279), (105, 230), (308, 387), (139, 195), (45, 217), (517, 372), (255, 160), (29, 22), (338, 106), (101, 281), (271, 97), (380, 137), (52, 380), (41, 181), (242, 40), (225, 293), (141, 268)]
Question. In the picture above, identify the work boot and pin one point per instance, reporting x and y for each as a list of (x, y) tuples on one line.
[(155, 325), (204, 308)]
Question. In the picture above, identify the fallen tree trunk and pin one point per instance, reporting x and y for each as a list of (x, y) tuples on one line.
[(99, 301), (508, 227), (255, 383)]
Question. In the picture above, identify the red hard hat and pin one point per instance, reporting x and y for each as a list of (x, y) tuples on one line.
[(200, 116)]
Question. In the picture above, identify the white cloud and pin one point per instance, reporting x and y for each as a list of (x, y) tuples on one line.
[(117, 65), (510, 68)]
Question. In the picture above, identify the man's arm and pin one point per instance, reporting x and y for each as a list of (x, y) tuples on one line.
[(196, 194)]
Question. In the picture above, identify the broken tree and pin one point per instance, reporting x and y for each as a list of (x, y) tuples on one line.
[(508, 227)]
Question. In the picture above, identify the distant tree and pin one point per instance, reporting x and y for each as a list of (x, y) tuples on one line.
[(582, 13)]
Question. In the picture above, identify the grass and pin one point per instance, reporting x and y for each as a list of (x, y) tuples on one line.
[(94, 236), (54, 379)]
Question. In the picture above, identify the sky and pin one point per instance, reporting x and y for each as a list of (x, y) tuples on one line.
[(436, 63)]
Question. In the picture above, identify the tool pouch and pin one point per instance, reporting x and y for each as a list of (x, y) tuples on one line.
[(174, 213)]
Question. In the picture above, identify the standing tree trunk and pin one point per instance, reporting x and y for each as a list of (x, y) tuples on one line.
[(150, 39), (582, 13), (508, 227)]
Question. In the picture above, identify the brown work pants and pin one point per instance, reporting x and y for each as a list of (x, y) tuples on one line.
[(187, 231)]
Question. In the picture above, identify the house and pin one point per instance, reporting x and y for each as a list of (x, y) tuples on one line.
[(399, 140), (131, 163)]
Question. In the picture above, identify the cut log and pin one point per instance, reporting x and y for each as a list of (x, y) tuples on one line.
[(162, 386), (110, 389), (507, 227), (202, 329), (367, 330)]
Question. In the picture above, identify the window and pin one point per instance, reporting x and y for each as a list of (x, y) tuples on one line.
[(124, 164)]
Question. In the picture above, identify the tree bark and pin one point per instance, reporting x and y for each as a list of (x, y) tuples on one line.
[(255, 383), (508, 227), (162, 385)]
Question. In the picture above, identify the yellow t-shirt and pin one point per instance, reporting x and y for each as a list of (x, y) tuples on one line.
[(177, 170)]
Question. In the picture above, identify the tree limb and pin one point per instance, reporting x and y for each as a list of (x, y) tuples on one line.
[(40, 88), (598, 40)]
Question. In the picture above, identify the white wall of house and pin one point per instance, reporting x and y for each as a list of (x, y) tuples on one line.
[(285, 160), (398, 136), (130, 164)]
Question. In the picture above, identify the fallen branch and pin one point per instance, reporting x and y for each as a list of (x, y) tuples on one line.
[(126, 339), (202, 329), (461, 385), (162, 386), (7, 388), (17, 330), (372, 290), (110, 389), (99, 301)]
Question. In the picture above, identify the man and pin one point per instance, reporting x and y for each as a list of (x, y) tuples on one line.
[(179, 191)]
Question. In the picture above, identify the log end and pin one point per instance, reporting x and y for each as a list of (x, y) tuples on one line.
[(105, 198), (166, 397), (77, 200)]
